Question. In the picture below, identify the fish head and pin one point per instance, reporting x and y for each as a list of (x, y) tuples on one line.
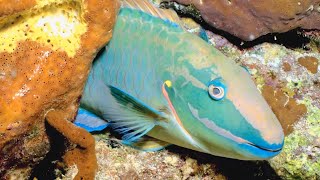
[(220, 108)]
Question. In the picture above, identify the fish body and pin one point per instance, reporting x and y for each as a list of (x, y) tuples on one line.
[(156, 79)]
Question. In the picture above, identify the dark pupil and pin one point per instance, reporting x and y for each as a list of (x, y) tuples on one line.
[(216, 91)]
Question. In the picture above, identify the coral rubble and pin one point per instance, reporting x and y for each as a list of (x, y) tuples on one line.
[(249, 20), (45, 55)]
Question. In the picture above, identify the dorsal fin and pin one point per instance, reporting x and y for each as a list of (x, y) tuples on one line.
[(148, 7)]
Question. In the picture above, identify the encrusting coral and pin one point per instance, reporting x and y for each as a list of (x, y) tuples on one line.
[(287, 110), (311, 63), (46, 52)]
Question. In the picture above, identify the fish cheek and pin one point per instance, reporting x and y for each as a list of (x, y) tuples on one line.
[(200, 133), (209, 140)]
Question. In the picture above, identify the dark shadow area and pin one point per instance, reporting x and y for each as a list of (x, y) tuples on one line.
[(115, 138), (291, 39), (45, 170), (232, 169), (100, 53)]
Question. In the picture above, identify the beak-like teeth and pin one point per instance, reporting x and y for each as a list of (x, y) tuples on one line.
[(266, 149)]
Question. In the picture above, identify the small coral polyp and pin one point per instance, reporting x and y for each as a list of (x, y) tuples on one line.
[(57, 25)]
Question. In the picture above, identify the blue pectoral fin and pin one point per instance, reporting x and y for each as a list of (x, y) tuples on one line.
[(89, 121), (132, 118), (147, 144)]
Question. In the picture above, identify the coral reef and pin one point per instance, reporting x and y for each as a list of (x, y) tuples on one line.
[(249, 20), (290, 89), (42, 79), (45, 55), (120, 162)]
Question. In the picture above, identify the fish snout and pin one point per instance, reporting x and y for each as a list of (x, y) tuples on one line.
[(271, 140), (264, 135)]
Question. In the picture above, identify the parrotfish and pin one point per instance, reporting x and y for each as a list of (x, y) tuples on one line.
[(157, 84)]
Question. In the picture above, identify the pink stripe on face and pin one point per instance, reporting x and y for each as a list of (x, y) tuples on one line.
[(174, 111), (218, 130)]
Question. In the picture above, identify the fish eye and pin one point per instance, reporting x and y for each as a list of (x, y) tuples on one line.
[(216, 90)]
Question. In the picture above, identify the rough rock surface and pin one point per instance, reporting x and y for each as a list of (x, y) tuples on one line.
[(249, 20), (46, 51)]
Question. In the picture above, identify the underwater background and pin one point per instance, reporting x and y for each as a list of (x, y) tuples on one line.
[(285, 68)]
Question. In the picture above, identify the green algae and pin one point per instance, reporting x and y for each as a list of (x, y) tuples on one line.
[(313, 120), (292, 84), (300, 158)]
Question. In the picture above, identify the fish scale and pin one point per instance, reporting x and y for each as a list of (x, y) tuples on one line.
[(144, 70)]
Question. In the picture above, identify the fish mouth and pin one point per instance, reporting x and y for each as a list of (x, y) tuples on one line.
[(275, 150)]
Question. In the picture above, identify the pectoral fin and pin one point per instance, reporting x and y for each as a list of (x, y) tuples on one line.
[(89, 121), (131, 117), (148, 144)]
